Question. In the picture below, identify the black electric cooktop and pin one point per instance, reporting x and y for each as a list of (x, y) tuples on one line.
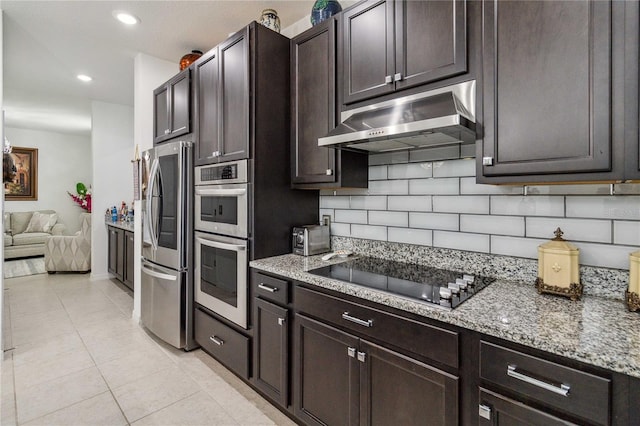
[(432, 285)]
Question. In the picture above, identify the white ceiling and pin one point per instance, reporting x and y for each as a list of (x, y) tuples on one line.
[(47, 43)]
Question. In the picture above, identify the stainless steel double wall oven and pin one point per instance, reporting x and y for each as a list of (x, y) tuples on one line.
[(222, 209)]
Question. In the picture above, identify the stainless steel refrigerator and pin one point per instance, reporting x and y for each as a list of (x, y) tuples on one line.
[(167, 281)]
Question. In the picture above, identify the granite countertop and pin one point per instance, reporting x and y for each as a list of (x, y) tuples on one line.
[(595, 330), (127, 226)]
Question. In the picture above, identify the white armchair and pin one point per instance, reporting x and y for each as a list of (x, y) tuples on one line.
[(64, 253)]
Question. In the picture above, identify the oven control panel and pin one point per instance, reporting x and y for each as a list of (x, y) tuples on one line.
[(231, 172)]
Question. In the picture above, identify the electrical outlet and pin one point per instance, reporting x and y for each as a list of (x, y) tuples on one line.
[(326, 220)]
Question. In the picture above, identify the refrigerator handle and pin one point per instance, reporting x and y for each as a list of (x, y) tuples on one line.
[(158, 274), (155, 165)]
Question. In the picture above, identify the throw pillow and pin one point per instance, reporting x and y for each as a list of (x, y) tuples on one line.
[(41, 222), (7, 223)]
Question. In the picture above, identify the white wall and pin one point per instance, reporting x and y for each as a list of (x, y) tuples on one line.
[(149, 73), (113, 149), (63, 161)]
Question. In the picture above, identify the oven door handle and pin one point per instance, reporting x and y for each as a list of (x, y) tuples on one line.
[(218, 244), (222, 192)]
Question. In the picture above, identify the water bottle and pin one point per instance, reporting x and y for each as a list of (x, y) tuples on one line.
[(114, 214)]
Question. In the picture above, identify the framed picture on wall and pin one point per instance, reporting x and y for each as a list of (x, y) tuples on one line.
[(24, 186)]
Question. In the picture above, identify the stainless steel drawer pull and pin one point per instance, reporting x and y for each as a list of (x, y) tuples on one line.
[(484, 411), (560, 390), (268, 288), (367, 323), (216, 340)]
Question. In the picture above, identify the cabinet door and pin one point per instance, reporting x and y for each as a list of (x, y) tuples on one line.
[(368, 63), (431, 41), (120, 254), (207, 107), (397, 390), (112, 260), (161, 128), (547, 88), (497, 410), (180, 104), (128, 254), (313, 103), (234, 97), (327, 377), (271, 350)]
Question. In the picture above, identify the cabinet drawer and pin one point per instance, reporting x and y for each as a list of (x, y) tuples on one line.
[(572, 391), (271, 288), (423, 340), (223, 343)]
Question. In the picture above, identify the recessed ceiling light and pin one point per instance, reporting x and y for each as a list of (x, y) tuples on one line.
[(84, 78), (125, 17)]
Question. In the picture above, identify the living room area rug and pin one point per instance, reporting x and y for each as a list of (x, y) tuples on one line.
[(23, 267)]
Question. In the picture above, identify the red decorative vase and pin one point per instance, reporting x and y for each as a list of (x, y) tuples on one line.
[(189, 58)]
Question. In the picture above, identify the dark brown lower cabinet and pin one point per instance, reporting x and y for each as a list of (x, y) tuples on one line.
[(129, 251), (120, 255), (498, 410), (271, 350), (342, 379)]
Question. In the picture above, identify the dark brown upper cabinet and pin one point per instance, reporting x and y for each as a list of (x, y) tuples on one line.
[(392, 45), (222, 101), (172, 108), (553, 95), (632, 89), (313, 112)]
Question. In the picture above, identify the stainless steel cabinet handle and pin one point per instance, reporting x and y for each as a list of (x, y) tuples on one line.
[(484, 411), (397, 77), (362, 357), (367, 323), (167, 131), (487, 161), (351, 352), (563, 389), (216, 340), (281, 321), (388, 79), (268, 288)]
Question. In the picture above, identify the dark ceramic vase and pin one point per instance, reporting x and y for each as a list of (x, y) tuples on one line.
[(189, 58), (324, 9)]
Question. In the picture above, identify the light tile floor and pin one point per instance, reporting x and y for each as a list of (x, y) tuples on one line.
[(79, 359)]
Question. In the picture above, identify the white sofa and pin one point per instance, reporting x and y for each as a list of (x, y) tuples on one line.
[(24, 237)]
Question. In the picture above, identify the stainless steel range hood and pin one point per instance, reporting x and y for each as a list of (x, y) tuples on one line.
[(442, 116)]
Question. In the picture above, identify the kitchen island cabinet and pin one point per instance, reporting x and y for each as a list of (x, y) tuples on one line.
[(313, 112), (414, 42), (172, 108), (558, 114)]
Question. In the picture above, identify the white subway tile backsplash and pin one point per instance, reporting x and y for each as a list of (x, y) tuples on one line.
[(370, 202), (527, 206), (468, 186), (410, 236), (444, 186), (350, 216), (389, 218), (395, 157), (343, 191), (605, 255), (496, 225), (621, 207), (389, 187), (514, 246), (568, 189), (473, 204), (410, 171), (627, 188), (409, 203), (377, 172), (625, 232), (369, 232), (443, 221), (461, 241), (334, 202), (433, 154), (341, 229), (457, 168), (597, 231)]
